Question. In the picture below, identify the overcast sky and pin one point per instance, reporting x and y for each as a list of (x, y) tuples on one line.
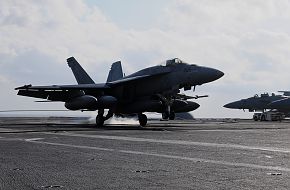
[(249, 40)]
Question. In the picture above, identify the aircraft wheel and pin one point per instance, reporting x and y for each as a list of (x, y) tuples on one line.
[(142, 119), (165, 115), (171, 116), (256, 118), (100, 121), (263, 118)]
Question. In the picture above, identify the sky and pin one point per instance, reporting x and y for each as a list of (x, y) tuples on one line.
[(249, 40)]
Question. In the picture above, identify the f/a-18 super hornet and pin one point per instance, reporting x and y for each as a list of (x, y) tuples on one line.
[(282, 104), (265, 103), (153, 89), (255, 103)]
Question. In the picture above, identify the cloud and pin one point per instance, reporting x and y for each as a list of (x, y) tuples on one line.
[(54, 27), (248, 40)]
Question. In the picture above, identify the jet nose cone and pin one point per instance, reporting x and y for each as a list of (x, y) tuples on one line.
[(200, 75), (228, 105), (232, 105), (214, 74), (219, 74)]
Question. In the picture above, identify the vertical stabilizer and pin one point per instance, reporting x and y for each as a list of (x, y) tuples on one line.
[(80, 74), (116, 72)]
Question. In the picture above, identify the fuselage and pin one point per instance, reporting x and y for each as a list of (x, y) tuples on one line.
[(255, 103), (281, 104), (165, 80)]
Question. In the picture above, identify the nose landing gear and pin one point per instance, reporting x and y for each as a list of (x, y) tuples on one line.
[(142, 119), (166, 115)]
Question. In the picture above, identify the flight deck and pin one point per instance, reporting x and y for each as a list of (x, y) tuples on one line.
[(71, 153)]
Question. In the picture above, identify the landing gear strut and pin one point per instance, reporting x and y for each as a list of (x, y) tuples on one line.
[(172, 115), (142, 119), (100, 119), (166, 115)]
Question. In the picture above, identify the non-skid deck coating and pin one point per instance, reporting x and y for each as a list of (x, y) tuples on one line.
[(201, 154)]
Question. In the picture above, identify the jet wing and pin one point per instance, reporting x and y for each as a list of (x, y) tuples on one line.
[(58, 92), (65, 92), (64, 87), (44, 94)]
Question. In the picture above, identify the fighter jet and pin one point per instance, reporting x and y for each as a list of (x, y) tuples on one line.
[(148, 90), (256, 103), (281, 104), (273, 107)]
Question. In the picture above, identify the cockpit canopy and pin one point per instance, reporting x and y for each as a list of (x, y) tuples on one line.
[(261, 96), (174, 61), (264, 95)]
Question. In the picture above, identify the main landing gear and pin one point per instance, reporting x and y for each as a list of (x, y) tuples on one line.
[(100, 119)]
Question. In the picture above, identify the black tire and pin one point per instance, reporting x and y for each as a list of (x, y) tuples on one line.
[(100, 121), (171, 116), (142, 119), (263, 118), (165, 115), (255, 118)]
